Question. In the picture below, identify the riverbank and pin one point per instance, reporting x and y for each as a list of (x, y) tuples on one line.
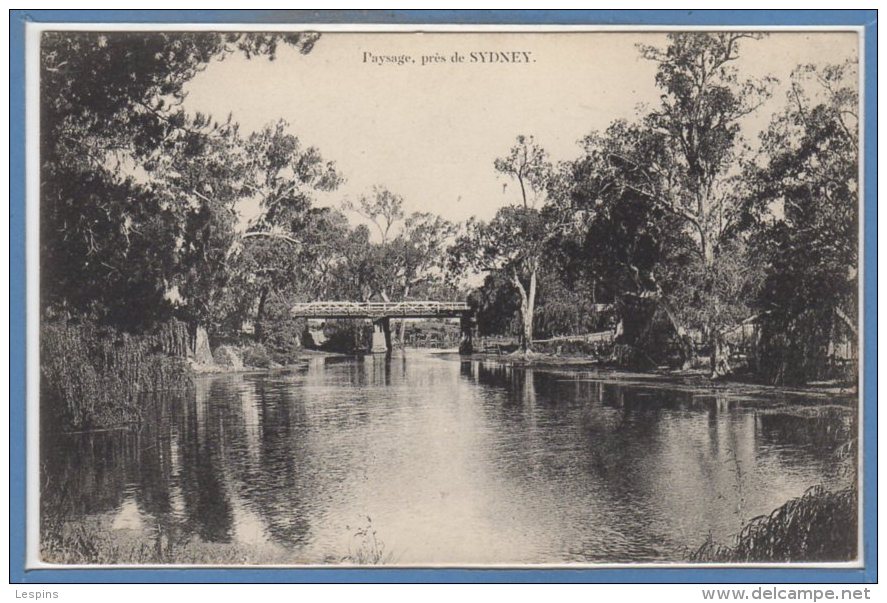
[(221, 368), (693, 380)]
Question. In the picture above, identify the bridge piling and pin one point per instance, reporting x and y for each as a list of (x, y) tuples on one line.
[(381, 336), (468, 326)]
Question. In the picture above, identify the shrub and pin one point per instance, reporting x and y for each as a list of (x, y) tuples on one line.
[(257, 356), (281, 334), (801, 348), (226, 355)]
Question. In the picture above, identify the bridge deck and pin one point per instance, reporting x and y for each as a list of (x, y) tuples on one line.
[(375, 310)]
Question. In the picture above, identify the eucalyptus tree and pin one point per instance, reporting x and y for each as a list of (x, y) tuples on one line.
[(282, 177), (226, 275), (410, 249), (512, 244), (527, 164), (417, 256), (383, 209), (688, 162), (200, 178), (421, 249), (358, 275)]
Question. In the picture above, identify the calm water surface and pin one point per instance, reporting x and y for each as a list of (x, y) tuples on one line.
[(446, 461)]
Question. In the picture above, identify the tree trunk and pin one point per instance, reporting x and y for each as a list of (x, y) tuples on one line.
[(260, 314), (531, 309), (527, 308), (718, 359), (402, 330), (685, 343), (202, 352), (526, 336), (719, 354)]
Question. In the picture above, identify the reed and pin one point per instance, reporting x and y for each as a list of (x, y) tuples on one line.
[(821, 525), (95, 377), (366, 548), (87, 543)]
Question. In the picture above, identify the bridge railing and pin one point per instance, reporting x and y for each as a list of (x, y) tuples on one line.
[(404, 308)]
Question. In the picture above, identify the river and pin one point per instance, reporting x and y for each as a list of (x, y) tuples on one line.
[(429, 459)]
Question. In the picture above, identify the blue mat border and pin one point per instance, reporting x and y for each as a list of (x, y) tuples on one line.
[(17, 574)]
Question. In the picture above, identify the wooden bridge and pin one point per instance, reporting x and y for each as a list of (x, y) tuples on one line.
[(381, 313)]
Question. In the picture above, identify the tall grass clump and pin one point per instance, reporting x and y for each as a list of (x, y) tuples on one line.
[(821, 525), (94, 376)]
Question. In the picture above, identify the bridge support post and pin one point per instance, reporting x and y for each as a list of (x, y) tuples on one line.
[(381, 336), (468, 327)]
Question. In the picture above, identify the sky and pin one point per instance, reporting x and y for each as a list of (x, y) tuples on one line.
[(432, 132)]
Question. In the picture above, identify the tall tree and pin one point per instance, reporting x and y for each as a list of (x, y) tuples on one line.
[(205, 180), (282, 177), (377, 267), (324, 239), (410, 249), (201, 180), (421, 250), (357, 276), (418, 254), (527, 164), (687, 165), (626, 237)]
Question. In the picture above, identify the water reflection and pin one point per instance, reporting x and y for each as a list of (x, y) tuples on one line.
[(452, 461)]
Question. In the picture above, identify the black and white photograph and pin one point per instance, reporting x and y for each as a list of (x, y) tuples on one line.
[(446, 296)]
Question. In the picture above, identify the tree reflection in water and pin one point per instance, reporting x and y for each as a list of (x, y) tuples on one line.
[(455, 461)]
